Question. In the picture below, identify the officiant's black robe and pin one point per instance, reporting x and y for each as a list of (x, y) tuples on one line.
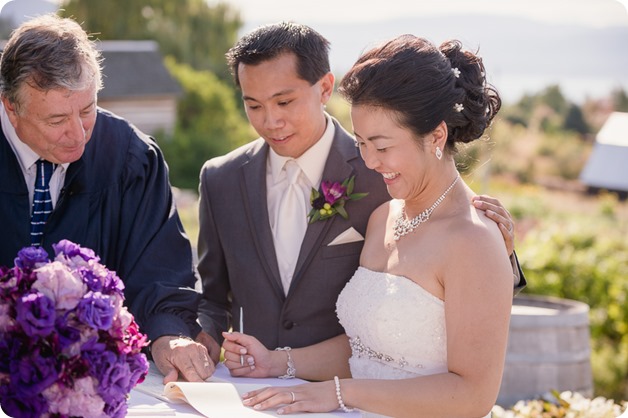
[(116, 200)]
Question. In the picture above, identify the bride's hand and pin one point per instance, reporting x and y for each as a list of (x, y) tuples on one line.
[(246, 356), (309, 397)]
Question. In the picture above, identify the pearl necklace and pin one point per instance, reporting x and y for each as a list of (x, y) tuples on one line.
[(405, 226)]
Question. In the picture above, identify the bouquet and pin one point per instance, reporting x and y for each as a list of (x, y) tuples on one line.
[(68, 348)]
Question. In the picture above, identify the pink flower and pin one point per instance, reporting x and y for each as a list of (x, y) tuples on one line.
[(6, 321), (82, 401), (57, 282)]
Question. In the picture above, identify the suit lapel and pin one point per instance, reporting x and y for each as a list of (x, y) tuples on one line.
[(254, 196), (337, 168)]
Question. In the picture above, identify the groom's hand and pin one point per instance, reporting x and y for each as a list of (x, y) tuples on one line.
[(498, 213)]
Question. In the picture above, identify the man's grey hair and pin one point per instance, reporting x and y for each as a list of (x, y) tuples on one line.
[(49, 52)]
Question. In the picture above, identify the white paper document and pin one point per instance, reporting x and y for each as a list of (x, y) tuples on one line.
[(219, 396)]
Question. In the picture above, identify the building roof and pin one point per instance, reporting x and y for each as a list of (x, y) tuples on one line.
[(607, 166), (615, 130), (135, 69)]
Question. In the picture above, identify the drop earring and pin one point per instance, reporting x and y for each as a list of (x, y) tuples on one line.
[(439, 153)]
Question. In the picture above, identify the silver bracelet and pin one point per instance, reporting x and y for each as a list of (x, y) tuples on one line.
[(339, 396), (291, 372)]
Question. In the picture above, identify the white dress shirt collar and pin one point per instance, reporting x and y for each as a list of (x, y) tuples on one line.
[(312, 161), (25, 155)]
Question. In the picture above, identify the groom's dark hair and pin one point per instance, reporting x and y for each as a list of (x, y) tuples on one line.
[(270, 41)]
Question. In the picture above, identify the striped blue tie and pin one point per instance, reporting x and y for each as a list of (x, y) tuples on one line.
[(42, 204)]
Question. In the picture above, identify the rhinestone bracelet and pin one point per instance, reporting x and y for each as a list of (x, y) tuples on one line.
[(339, 396), (291, 372)]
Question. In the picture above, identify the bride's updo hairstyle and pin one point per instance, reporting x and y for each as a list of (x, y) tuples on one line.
[(423, 85)]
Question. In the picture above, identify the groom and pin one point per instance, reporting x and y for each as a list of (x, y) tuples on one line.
[(255, 257)]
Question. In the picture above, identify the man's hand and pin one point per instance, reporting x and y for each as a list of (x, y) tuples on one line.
[(498, 213), (212, 346), (180, 355)]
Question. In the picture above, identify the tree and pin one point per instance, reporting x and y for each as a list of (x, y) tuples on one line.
[(574, 120), (189, 30), (620, 100), (193, 37), (208, 124), (553, 97)]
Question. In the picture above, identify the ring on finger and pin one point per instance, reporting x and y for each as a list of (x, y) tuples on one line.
[(294, 398)]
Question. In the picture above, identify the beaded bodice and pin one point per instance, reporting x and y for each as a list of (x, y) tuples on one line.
[(396, 327)]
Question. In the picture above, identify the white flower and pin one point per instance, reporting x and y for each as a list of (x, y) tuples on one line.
[(57, 282)]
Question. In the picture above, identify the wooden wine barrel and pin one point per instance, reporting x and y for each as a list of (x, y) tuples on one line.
[(548, 349)]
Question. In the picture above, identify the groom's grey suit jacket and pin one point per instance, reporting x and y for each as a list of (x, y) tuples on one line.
[(237, 260)]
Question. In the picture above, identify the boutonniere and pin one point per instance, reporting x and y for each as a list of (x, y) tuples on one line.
[(331, 199)]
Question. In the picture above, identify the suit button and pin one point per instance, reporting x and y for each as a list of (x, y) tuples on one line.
[(288, 324)]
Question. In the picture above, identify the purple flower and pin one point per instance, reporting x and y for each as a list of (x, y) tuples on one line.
[(138, 365), (117, 409), (331, 199), (112, 374), (33, 372), (35, 313), (71, 250), (67, 334), (100, 279), (31, 257), (332, 191), (24, 405), (96, 310)]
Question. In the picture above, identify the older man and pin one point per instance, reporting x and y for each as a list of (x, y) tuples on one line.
[(70, 170)]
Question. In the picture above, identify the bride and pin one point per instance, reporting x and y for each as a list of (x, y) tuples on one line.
[(426, 314)]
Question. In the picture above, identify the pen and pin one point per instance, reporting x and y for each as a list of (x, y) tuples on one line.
[(241, 331)]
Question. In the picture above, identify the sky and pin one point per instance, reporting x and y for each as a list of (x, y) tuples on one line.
[(375, 17), (590, 12)]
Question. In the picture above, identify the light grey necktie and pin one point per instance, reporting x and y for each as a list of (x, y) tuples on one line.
[(291, 224)]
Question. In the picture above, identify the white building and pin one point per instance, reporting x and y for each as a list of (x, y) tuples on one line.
[(607, 167)]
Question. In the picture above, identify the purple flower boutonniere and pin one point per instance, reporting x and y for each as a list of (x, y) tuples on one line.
[(331, 199)]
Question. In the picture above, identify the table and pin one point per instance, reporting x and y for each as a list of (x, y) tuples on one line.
[(142, 404)]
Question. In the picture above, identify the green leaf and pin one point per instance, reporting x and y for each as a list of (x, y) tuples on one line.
[(357, 196), (350, 185), (341, 210), (315, 216)]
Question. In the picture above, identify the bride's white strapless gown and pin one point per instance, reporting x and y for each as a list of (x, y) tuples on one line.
[(396, 328)]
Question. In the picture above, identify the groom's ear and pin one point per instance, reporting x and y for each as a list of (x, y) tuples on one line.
[(327, 87)]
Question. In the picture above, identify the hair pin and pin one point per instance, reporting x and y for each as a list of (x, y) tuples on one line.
[(458, 107), (456, 72)]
